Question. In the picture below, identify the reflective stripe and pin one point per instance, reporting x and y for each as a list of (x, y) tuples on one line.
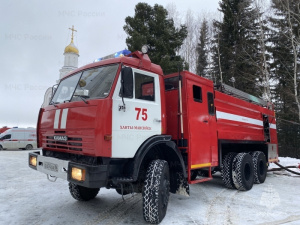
[(272, 126), (56, 119), (64, 119), (237, 118), (200, 165)]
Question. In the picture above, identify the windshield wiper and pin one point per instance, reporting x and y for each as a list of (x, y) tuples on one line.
[(83, 99)]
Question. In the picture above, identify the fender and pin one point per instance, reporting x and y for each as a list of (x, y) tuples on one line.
[(146, 147)]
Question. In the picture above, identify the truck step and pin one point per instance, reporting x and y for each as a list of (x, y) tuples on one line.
[(200, 180)]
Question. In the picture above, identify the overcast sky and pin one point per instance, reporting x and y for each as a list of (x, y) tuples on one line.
[(34, 33)]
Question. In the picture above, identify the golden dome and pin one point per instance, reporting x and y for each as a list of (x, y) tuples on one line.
[(71, 48)]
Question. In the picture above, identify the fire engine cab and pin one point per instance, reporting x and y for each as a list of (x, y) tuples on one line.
[(121, 123)]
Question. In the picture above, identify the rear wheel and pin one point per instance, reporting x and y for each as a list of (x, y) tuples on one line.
[(260, 167), (242, 171), (29, 147), (81, 193), (227, 170), (156, 191)]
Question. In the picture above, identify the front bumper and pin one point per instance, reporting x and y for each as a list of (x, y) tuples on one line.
[(95, 176)]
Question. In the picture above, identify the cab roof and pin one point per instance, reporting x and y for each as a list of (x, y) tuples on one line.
[(135, 59)]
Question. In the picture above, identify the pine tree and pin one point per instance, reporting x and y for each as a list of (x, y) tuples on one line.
[(285, 39), (202, 49), (151, 26), (236, 52), (285, 42)]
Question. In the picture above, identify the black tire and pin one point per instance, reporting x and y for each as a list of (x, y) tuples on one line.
[(81, 193), (243, 171), (1, 148), (260, 167), (29, 147), (226, 170), (156, 191)]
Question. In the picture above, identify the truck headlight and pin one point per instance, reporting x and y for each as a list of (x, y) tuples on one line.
[(32, 160), (78, 174)]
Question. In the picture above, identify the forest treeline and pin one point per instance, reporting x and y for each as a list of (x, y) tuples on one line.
[(251, 45)]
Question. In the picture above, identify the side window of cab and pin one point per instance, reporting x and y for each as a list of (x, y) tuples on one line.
[(8, 136), (144, 87)]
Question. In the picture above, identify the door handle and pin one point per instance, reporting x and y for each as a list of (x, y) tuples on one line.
[(157, 120), (205, 121)]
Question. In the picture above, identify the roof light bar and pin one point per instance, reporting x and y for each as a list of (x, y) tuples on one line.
[(114, 55)]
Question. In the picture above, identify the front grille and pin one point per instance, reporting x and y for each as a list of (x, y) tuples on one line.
[(73, 143)]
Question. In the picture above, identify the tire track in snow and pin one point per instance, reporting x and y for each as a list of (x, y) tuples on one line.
[(289, 219), (219, 209), (117, 212)]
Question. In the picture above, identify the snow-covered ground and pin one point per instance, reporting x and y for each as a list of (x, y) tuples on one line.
[(27, 197), (287, 161)]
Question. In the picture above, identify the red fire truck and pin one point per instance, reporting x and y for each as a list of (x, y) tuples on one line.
[(121, 124)]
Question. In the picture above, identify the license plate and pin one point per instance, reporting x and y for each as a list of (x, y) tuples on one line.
[(51, 166), (60, 138)]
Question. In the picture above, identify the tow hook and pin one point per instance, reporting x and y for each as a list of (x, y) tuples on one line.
[(51, 178)]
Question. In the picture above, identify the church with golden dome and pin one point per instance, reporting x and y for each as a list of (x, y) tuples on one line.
[(71, 54)]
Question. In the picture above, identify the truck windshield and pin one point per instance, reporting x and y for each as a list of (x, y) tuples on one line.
[(91, 84)]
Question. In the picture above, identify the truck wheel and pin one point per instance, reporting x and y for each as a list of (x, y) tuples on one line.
[(242, 171), (81, 193), (226, 170), (156, 191), (260, 167), (29, 147)]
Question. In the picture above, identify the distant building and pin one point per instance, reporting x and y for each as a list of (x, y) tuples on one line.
[(71, 54)]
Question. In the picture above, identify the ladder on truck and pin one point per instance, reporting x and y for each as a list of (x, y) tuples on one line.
[(226, 89)]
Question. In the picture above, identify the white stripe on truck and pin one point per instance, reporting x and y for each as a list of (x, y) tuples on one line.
[(56, 119), (64, 119), (237, 118)]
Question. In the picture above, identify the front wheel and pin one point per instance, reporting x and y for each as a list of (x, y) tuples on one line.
[(29, 147), (81, 193), (156, 191)]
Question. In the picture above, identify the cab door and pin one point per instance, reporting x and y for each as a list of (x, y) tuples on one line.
[(6, 142), (139, 117)]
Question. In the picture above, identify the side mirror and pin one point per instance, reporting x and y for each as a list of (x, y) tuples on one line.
[(126, 83)]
